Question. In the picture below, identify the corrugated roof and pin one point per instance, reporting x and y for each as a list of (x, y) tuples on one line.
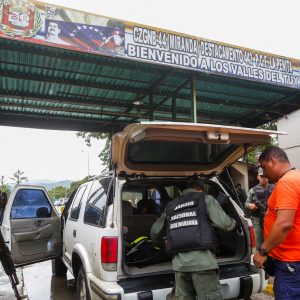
[(48, 87)]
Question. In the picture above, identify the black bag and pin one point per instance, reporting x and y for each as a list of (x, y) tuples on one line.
[(141, 252)]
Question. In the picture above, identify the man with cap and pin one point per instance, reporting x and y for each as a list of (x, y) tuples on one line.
[(257, 202), (114, 43), (189, 221)]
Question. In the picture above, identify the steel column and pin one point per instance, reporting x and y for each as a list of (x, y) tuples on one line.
[(194, 100)]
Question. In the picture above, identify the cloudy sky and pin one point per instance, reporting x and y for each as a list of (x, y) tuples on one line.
[(270, 26), (47, 154)]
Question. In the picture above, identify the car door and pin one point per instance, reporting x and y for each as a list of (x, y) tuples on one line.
[(73, 225), (31, 226)]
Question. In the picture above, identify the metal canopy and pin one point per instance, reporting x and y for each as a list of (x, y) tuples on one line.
[(55, 88)]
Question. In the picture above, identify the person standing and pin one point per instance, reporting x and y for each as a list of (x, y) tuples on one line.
[(241, 193), (282, 225), (256, 203), (188, 221)]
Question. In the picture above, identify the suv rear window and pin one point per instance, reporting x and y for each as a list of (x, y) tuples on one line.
[(177, 152)]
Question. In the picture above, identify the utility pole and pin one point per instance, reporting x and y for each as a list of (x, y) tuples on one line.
[(88, 165)]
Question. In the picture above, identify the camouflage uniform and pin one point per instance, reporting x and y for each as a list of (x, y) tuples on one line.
[(196, 272), (259, 195)]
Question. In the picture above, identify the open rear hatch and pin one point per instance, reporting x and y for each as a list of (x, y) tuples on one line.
[(162, 157), (181, 149)]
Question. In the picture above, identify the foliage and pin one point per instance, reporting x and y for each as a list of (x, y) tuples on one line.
[(76, 184), (105, 153), (5, 188), (18, 177), (58, 192), (252, 156), (2, 180)]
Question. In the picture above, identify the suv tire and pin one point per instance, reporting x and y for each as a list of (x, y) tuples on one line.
[(58, 268), (83, 292)]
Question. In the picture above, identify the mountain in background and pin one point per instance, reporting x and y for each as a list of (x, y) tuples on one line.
[(48, 184)]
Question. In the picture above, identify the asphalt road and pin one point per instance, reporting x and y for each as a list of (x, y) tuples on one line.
[(6, 291), (40, 284)]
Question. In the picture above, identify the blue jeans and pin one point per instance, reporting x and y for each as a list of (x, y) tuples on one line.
[(287, 280)]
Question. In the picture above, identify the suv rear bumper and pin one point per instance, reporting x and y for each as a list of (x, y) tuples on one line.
[(240, 287), (104, 290), (236, 281)]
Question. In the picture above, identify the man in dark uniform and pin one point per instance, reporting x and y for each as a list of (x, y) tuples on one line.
[(241, 193), (257, 202), (188, 220)]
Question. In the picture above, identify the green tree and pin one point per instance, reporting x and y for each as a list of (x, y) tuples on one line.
[(3, 186), (252, 156), (18, 177), (75, 184), (58, 192), (105, 153), (2, 180)]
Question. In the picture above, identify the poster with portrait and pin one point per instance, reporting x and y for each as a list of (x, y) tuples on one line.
[(48, 24)]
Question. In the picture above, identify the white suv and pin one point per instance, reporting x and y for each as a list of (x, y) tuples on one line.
[(102, 236)]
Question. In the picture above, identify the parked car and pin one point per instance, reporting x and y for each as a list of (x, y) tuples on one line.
[(102, 236)]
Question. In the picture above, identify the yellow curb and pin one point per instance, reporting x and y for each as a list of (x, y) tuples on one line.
[(269, 289)]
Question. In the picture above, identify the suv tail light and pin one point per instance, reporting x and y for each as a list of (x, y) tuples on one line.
[(109, 253), (252, 238)]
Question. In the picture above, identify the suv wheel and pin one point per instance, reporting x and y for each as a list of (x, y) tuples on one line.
[(58, 268), (82, 286)]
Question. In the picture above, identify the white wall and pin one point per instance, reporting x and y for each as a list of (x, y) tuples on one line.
[(291, 142), (240, 175)]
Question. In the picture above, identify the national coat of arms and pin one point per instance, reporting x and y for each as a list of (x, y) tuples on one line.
[(19, 18)]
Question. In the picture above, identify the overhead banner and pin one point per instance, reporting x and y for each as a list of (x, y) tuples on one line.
[(57, 26)]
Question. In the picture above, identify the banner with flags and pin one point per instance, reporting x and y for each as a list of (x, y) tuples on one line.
[(49, 24), (56, 26), (87, 37)]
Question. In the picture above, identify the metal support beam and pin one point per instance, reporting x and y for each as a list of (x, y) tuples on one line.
[(151, 107), (193, 100), (174, 109)]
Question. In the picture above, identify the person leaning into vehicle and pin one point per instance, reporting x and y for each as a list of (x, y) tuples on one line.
[(189, 221), (256, 203), (281, 226)]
